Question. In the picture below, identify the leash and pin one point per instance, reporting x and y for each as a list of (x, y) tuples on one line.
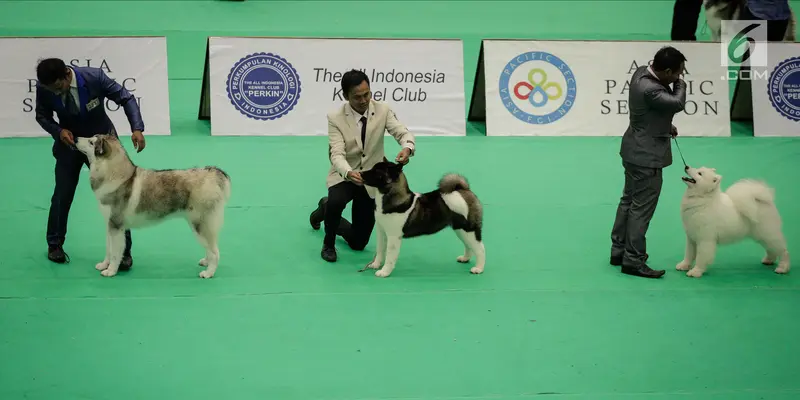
[(680, 152)]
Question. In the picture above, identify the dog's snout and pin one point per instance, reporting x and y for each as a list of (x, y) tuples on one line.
[(686, 168)]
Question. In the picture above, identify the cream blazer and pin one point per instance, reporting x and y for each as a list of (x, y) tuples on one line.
[(345, 149)]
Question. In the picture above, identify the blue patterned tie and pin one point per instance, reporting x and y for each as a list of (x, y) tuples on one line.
[(72, 108)]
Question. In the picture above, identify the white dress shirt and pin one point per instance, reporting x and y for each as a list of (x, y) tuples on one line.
[(356, 116)]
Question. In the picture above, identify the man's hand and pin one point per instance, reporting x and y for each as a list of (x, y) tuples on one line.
[(403, 156), (66, 138), (673, 131), (138, 141), (355, 177)]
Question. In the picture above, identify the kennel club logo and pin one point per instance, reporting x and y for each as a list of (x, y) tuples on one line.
[(783, 88), (263, 86), (537, 87)]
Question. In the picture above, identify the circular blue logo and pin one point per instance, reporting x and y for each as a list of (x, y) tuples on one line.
[(783, 88), (537, 87), (263, 86)]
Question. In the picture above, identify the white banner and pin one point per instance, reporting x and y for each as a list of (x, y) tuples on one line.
[(776, 92), (586, 83), (137, 63), (422, 80)]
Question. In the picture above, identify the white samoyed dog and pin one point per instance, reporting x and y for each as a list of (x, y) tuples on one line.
[(712, 217)]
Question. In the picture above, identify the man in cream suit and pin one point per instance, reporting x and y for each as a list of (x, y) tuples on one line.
[(355, 143)]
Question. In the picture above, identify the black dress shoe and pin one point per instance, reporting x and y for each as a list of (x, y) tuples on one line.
[(126, 263), (617, 260), (329, 253), (644, 271), (56, 254), (318, 215)]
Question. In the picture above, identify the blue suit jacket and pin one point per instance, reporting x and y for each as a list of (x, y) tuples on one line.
[(94, 86)]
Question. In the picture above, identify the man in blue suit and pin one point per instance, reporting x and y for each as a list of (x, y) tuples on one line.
[(77, 95)]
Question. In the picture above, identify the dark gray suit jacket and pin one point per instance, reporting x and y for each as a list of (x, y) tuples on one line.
[(652, 106), (93, 86)]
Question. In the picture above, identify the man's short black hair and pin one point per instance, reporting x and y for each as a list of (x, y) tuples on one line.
[(668, 57), (50, 70), (351, 79)]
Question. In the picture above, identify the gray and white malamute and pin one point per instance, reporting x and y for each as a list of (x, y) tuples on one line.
[(726, 10), (132, 197), (402, 214)]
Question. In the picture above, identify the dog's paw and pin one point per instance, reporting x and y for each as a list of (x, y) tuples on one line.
[(374, 265), (695, 273), (683, 266), (206, 275), (101, 266), (476, 270), (462, 259), (382, 273), (782, 269), (108, 273), (203, 262), (767, 261)]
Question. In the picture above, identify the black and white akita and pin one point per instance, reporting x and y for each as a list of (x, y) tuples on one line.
[(402, 214)]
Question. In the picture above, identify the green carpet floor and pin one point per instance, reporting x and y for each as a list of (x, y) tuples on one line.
[(549, 315), (548, 319)]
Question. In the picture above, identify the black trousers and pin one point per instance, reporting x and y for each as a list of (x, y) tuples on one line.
[(358, 233), (636, 208), (67, 172), (685, 15), (775, 29)]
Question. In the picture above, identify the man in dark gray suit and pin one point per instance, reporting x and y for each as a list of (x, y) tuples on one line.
[(645, 151)]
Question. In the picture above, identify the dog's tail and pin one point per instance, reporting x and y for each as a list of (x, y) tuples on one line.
[(223, 180), (453, 182), (748, 196), (791, 29)]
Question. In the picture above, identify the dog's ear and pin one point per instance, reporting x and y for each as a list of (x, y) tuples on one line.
[(384, 159), (396, 169), (100, 146), (717, 179)]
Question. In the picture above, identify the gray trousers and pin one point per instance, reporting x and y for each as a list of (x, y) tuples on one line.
[(636, 208)]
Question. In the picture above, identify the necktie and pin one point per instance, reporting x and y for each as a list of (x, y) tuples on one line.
[(364, 132), (72, 108)]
